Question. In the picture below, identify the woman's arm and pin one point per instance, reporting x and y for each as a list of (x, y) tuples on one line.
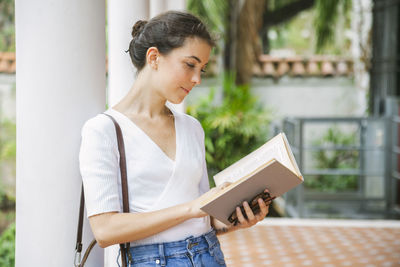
[(115, 228)]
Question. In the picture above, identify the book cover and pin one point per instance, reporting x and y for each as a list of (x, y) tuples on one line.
[(271, 166)]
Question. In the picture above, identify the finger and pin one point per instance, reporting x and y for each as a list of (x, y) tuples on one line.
[(269, 201), (263, 209), (249, 212), (240, 216)]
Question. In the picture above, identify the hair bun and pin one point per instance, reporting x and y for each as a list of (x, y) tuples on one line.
[(138, 28)]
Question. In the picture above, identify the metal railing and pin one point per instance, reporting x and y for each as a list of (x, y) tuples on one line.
[(393, 186), (377, 177)]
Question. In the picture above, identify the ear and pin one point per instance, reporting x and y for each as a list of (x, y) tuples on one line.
[(152, 56)]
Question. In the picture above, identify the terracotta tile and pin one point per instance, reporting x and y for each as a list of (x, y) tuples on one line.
[(272, 66), (13, 67), (283, 68), (342, 68), (298, 69), (3, 65), (269, 69), (257, 71), (10, 56), (7, 62), (271, 245), (327, 68)]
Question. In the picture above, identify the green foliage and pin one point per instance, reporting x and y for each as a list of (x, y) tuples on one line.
[(214, 15), (6, 218), (7, 247), (212, 12), (276, 4), (328, 19), (298, 35), (334, 159), (7, 202), (327, 15), (295, 34), (7, 140), (7, 29), (7, 156), (232, 129)]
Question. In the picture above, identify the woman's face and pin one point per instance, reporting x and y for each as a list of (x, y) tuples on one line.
[(180, 70)]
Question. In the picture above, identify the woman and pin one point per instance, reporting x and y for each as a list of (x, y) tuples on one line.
[(167, 175)]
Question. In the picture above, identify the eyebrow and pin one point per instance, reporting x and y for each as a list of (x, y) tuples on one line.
[(196, 58)]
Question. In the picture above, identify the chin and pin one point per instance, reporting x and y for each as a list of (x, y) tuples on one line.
[(176, 101)]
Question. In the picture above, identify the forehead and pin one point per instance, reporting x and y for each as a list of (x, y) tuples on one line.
[(193, 47)]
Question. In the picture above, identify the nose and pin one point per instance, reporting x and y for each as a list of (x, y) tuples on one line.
[(196, 79)]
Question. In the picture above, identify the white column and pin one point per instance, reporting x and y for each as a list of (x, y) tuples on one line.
[(121, 16), (60, 84), (157, 7), (176, 5)]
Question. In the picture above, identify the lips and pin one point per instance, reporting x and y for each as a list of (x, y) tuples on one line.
[(186, 90)]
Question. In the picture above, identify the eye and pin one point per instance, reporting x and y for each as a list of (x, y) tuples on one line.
[(192, 66)]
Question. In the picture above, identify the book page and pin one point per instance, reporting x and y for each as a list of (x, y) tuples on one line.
[(273, 149), (294, 166)]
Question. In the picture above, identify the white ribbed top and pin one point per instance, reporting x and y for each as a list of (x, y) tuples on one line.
[(155, 181)]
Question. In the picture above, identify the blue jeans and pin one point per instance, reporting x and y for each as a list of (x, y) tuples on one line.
[(199, 251)]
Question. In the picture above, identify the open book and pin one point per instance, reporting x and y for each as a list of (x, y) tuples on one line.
[(271, 166)]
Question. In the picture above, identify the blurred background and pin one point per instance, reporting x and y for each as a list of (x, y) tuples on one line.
[(325, 72)]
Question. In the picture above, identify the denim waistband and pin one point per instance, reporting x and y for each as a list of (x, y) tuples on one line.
[(160, 251)]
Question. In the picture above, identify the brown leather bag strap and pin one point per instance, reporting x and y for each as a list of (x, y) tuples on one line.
[(124, 183), (125, 203), (78, 246), (86, 254), (122, 165)]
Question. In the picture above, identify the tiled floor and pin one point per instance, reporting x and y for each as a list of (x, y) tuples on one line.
[(292, 243)]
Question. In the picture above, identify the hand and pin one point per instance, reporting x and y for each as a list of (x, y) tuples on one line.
[(194, 206), (252, 218)]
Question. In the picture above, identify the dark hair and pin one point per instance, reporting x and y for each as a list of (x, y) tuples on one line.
[(166, 32)]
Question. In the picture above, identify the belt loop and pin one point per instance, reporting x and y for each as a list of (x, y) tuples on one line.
[(162, 255), (211, 238)]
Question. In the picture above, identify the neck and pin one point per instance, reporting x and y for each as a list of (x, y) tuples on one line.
[(143, 99)]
